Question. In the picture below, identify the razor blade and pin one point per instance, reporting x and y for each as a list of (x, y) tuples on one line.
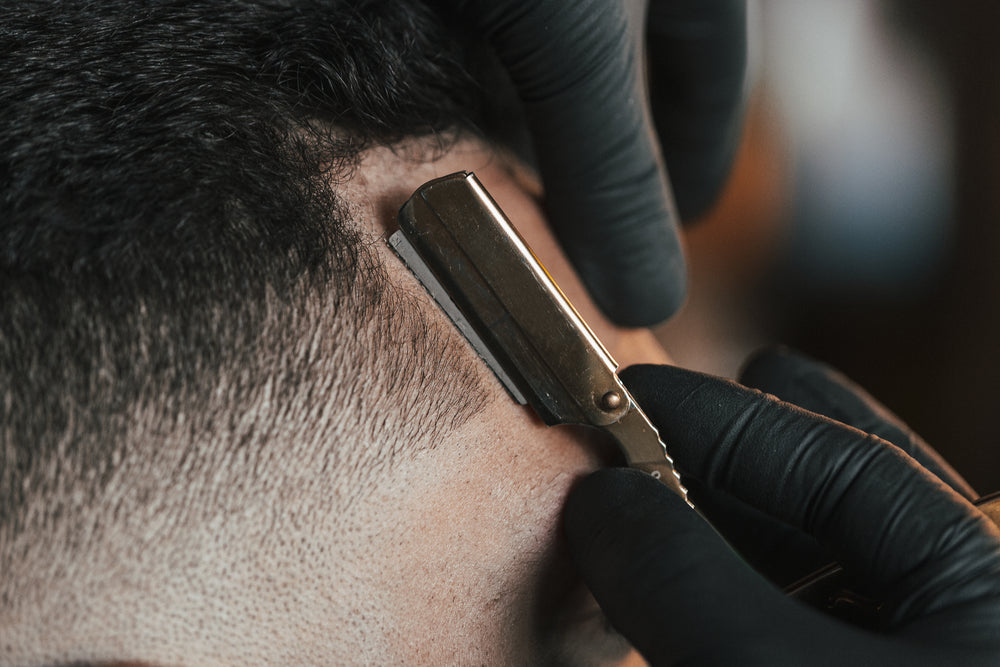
[(465, 252)]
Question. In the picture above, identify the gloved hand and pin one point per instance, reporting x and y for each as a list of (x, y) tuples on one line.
[(669, 583), (574, 65), (777, 550)]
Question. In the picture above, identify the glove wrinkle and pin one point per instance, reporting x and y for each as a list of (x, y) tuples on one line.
[(814, 386)]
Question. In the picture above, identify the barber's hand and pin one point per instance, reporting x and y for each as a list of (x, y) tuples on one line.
[(575, 64), (668, 582), (781, 552)]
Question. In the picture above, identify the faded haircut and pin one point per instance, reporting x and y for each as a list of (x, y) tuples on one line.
[(181, 290)]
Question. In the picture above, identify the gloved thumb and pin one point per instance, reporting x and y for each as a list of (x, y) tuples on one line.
[(665, 579)]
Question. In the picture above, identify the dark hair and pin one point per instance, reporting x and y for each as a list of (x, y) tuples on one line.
[(168, 213)]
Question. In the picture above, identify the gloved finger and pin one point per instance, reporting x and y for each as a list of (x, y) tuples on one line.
[(797, 379), (911, 540), (777, 550), (575, 67), (697, 52), (780, 552), (670, 585)]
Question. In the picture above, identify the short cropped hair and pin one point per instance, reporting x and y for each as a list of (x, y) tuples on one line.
[(181, 287)]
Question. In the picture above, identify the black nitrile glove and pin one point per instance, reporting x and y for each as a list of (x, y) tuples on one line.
[(777, 550), (670, 584), (575, 66)]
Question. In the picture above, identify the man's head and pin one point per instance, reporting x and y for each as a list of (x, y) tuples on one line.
[(233, 427)]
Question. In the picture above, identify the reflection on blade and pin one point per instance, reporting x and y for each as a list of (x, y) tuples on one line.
[(440, 294)]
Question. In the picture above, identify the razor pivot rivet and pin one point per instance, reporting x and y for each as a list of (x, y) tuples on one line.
[(611, 400)]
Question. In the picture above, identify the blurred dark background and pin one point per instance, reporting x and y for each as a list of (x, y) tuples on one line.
[(861, 221)]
